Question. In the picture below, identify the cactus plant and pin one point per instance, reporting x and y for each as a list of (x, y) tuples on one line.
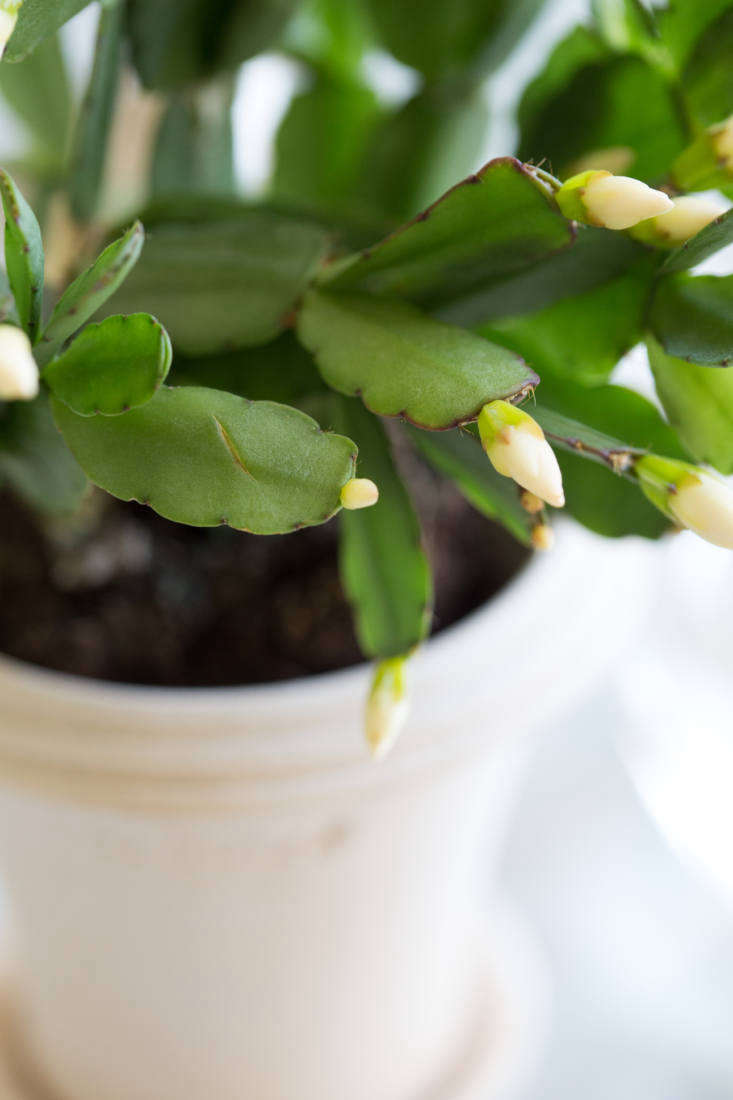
[(492, 317)]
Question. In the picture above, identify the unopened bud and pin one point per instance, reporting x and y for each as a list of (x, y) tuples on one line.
[(531, 503), (689, 214), (708, 161), (691, 496), (543, 537), (613, 202), (387, 706), (722, 136), (8, 18), (18, 370), (517, 448), (360, 492)]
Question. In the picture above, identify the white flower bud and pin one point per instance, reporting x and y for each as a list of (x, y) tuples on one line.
[(618, 202), (387, 706), (691, 496), (517, 448), (723, 142), (704, 503), (18, 370), (8, 18), (689, 214), (360, 492)]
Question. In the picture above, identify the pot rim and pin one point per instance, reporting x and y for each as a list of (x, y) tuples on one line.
[(116, 693), (493, 675)]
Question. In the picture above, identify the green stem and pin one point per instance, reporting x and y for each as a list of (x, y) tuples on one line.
[(93, 127), (194, 147)]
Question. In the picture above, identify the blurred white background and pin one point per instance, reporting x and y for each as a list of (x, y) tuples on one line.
[(620, 851)]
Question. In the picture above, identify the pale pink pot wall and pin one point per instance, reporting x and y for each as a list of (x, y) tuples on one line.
[(217, 894)]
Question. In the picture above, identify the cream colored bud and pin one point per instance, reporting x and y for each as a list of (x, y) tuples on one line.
[(689, 214), (723, 142), (360, 492), (18, 370), (543, 537), (8, 18), (531, 503), (618, 202), (387, 706), (704, 504), (516, 447)]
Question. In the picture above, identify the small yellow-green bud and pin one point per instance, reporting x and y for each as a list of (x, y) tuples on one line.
[(543, 537), (8, 18), (360, 492), (517, 448), (691, 496), (613, 202), (531, 503), (18, 370), (387, 706)]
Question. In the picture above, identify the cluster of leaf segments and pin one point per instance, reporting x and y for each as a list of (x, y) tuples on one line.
[(274, 323), (203, 455)]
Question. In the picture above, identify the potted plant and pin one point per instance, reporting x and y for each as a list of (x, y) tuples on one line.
[(217, 892)]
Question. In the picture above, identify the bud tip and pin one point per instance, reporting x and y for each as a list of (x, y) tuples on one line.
[(691, 496), (8, 18), (619, 202), (18, 370), (689, 214), (359, 492), (516, 447), (387, 706), (705, 505)]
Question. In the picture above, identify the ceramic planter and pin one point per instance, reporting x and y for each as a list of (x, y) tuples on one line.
[(215, 895)]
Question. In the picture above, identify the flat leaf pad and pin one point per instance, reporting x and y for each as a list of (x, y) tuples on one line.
[(205, 457), (111, 367), (499, 220), (403, 363)]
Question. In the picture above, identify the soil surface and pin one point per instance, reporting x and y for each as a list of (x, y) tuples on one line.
[(121, 594)]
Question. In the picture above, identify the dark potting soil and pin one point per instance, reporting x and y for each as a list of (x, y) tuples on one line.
[(121, 594)]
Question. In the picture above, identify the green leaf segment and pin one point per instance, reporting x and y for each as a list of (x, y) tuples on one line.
[(205, 457), (217, 286), (385, 573), (499, 220), (692, 317), (403, 363), (88, 293), (23, 255), (112, 366), (472, 300)]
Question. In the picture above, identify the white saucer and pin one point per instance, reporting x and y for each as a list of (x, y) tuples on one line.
[(500, 1055)]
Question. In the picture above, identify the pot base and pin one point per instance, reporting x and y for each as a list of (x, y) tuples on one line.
[(501, 1050), (511, 1017)]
